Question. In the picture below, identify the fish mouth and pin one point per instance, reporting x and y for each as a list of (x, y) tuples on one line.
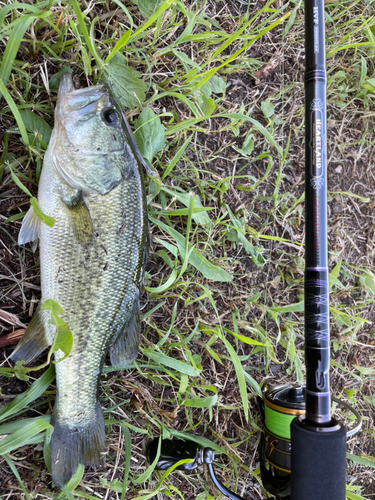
[(79, 103)]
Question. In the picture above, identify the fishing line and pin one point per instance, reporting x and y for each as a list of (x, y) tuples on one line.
[(278, 423)]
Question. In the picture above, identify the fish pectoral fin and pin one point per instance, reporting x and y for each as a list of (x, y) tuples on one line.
[(81, 217), (33, 342), (124, 349), (30, 229)]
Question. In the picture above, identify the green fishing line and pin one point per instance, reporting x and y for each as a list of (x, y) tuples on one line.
[(278, 423)]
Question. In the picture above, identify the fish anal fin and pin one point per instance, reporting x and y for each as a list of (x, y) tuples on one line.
[(34, 341), (81, 217), (74, 444), (124, 349), (30, 229)]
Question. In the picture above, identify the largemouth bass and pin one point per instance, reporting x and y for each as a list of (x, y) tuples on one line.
[(92, 262)]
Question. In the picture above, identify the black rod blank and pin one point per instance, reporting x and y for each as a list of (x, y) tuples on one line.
[(317, 338)]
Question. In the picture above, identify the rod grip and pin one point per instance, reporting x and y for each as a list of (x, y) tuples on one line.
[(318, 463)]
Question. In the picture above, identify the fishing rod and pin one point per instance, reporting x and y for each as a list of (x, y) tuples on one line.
[(303, 445), (303, 448)]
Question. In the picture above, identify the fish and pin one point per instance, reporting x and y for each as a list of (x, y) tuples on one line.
[(92, 263)]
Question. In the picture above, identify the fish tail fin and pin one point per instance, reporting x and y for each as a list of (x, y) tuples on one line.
[(77, 444)]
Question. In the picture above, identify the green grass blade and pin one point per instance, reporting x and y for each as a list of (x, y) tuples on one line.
[(11, 427), (240, 374), (185, 125), (175, 364), (19, 183), (165, 286), (37, 389), (119, 45), (49, 221), (15, 472), (196, 259), (128, 453), (84, 32), (20, 437), (237, 34), (367, 461), (47, 448), (253, 383), (126, 12), (11, 49), (176, 157), (349, 46), (208, 74), (204, 442), (15, 112), (163, 7)]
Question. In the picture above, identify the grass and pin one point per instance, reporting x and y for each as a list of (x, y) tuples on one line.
[(218, 89)]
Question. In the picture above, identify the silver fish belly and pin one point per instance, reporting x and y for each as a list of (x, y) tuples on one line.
[(92, 262)]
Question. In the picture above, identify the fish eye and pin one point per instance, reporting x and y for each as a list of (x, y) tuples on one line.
[(110, 116)]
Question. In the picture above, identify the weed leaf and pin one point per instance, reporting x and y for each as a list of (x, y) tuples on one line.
[(64, 337), (149, 134), (267, 108), (34, 124), (54, 81), (125, 82), (202, 402), (218, 85), (148, 7), (297, 307)]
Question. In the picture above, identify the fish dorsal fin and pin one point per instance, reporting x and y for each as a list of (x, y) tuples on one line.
[(124, 349), (34, 341), (81, 217), (30, 229)]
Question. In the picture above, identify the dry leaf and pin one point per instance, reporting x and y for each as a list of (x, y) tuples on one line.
[(268, 69), (12, 337)]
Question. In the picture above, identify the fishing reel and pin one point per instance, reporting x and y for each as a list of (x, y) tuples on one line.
[(279, 406)]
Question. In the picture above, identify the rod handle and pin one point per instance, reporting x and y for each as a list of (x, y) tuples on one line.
[(318, 461)]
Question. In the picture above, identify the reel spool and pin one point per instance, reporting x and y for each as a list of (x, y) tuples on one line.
[(279, 406)]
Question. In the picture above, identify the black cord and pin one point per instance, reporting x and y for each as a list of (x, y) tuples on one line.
[(208, 456)]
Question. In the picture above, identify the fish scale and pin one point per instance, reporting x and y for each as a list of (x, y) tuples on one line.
[(92, 263)]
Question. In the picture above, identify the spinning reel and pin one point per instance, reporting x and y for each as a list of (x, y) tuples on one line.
[(278, 408)]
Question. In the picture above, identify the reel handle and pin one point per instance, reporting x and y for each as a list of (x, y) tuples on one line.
[(173, 451)]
